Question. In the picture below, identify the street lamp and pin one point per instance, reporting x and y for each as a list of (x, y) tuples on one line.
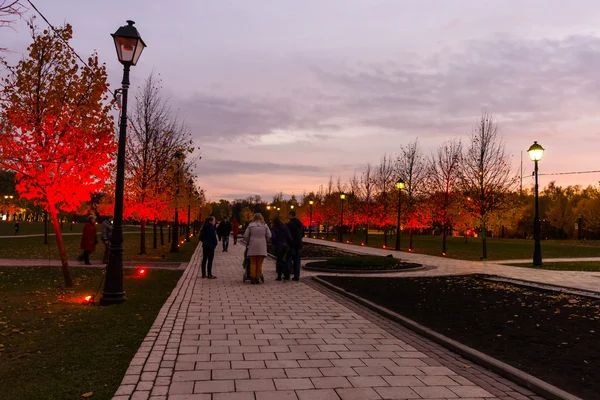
[(399, 186), (535, 153), (129, 46), (341, 234), (310, 218), (292, 207)]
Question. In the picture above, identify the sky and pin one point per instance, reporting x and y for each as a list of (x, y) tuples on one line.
[(279, 95)]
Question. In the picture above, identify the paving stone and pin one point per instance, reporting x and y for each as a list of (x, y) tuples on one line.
[(397, 393), (358, 394), (219, 374), (367, 381), (293, 384), (276, 395), (333, 382), (317, 394), (434, 392), (214, 386), (267, 373)]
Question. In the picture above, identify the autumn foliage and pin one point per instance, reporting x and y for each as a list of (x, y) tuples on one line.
[(56, 132)]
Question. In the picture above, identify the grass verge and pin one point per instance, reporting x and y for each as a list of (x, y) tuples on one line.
[(54, 348)]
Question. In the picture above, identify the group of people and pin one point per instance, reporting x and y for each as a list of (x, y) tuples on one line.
[(89, 238), (286, 240)]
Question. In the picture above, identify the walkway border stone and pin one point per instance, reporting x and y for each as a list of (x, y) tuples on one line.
[(526, 380)]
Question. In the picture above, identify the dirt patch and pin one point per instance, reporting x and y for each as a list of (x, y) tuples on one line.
[(550, 335)]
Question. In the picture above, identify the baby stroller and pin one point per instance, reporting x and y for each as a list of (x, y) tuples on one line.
[(246, 266)]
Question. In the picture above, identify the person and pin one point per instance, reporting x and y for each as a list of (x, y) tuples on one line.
[(88, 238), (257, 235), (208, 237), (282, 241), (107, 229), (297, 231), (224, 230), (17, 228), (236, 231)]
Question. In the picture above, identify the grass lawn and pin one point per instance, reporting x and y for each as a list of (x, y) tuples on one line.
[(54, 348), (34, 248), (498, 249), (592, 266), (37, 228)]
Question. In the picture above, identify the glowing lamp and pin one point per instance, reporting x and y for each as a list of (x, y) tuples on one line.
[(292, 206), (535, 152), (410, 250), (268, 207), (88, 299), (400, 184), (334, 239), (142, 272), (383, 246), (343, 196), (128, 43), (444, 254), (311, 202), (362, 244)]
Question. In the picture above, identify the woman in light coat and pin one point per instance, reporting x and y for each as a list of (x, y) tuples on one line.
[(257, 235)]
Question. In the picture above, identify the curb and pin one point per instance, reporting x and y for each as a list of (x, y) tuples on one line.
[(526, 380)]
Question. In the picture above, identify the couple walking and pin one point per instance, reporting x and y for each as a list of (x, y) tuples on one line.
[(287, 240)]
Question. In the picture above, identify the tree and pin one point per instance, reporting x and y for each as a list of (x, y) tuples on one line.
[(411, 166), (486, 176), (442, 180), (383, 182), (155, 136), (55, 130), (367, 187)]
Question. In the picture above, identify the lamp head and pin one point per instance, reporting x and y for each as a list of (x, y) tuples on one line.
[(128, 43), (535, 152), (343, 196), (311, 202), (400, 184)]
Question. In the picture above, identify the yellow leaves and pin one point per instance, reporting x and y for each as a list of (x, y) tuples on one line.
[(87, 395)]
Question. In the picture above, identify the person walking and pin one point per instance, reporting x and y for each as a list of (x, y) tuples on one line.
[(17, 228), (107, 229), (297, 231), (208, 237), (224, 230), (282, 241), (89, 239), (235, 231), (257, 235)]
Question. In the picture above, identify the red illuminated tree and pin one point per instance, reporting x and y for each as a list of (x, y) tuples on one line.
[(55, 130)]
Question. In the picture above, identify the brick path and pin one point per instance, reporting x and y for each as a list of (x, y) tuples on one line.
[(448, 266), (224, 340)]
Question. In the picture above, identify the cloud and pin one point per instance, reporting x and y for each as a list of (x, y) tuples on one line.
[(235, 167)]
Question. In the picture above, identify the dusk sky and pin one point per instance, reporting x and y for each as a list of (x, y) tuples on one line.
[(280, 94)]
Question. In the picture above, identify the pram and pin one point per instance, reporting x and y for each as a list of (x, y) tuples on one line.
[(246, 266)]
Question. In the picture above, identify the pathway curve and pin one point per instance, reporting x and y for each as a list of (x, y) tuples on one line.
[(225, 340), (448, 266)]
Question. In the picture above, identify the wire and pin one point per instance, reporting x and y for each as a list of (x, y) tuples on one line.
[(571, 173)]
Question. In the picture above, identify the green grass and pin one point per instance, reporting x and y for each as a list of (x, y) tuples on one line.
[(54, 348), (34, 248), (592, 266), (498, 249)]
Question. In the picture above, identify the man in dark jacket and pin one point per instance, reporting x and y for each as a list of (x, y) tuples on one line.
[(297, 231), (224, 229)]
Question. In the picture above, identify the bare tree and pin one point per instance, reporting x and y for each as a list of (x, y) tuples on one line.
[(10, 11), (156, 135), (411, 166), (442, 181), (486, 176), (367, 187), (384, 180), (354, 203)]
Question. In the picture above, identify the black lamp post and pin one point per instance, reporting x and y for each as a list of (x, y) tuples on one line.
[(175, 239), (341, 233), (535, 153), (399, 186), (310, 203), (129, 46)]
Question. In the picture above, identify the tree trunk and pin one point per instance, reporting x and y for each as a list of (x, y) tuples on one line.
[(385, 235), (154, 238), (162, 234), (169, 235), (410, 239), (143, 237), (352, 232), (445, 233), (61, 250), (484, 242)]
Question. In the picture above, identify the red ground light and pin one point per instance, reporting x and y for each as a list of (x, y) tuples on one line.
[(142, 272), (88, 299)]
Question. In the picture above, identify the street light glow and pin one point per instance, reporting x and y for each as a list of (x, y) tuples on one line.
[(535, 152)]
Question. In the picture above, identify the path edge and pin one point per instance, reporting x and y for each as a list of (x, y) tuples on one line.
[(522, 378)]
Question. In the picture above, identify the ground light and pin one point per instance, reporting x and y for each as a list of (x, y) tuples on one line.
[(88, 300), (142, 272)]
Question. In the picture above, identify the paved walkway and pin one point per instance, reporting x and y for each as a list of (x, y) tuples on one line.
[(448, 266), (225, 340)]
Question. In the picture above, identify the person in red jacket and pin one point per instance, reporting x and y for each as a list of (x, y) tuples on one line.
[(236, 230), (88, 238)]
